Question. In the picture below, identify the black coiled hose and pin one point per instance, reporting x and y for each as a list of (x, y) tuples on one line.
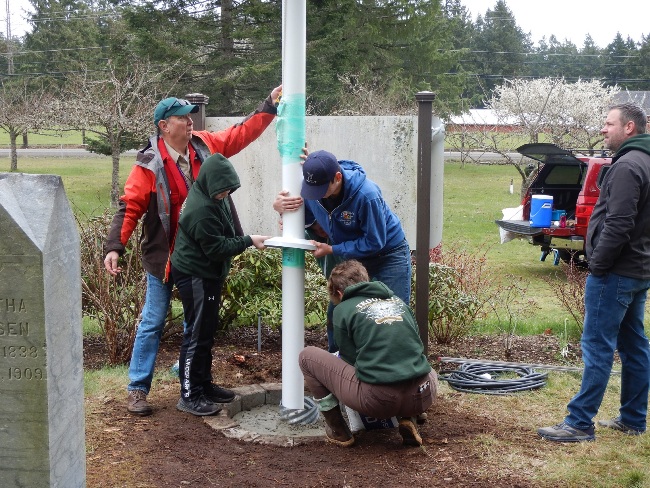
[(488, 379)]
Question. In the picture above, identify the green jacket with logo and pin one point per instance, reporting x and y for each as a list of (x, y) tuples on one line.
[(377, 333)]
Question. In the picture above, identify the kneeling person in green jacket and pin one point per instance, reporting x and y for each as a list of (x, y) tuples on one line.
[(382, 370), (205, 244)]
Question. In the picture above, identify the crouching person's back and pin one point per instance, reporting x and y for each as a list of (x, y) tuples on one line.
[(382, 371)]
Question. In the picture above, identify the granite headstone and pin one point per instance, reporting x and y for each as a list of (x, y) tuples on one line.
[(42, 440)]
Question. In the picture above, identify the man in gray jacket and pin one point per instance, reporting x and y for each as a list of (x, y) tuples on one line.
[(618, 251)]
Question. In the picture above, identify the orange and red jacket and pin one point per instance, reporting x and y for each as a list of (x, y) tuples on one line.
[(155, 188)]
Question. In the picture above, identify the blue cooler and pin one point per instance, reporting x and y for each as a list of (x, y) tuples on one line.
[(541, 210)]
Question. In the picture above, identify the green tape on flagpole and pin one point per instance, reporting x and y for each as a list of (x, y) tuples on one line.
[(290, 127), (292, 257)]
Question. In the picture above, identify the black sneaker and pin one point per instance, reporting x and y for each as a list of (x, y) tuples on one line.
[(217, 394), (616, 424), (200, 406), (565, 433)]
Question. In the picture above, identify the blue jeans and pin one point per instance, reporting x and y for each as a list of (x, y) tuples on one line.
[(392, 268), (614, 310), (148, 334)]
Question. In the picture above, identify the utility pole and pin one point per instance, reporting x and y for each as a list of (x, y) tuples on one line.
[(10, 57)]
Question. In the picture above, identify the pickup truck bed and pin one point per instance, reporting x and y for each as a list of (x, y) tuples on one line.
[(521, 227)]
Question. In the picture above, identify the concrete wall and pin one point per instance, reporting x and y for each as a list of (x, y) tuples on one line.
[(386, 147)]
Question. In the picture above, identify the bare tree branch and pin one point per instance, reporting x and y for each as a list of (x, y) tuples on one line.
[(117, 107)]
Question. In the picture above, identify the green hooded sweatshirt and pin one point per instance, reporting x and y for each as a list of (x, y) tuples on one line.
[(640, 142), (377, 333), (206, 240)]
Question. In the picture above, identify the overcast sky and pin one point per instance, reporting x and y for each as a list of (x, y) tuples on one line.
[(574, 19), (567, 19)]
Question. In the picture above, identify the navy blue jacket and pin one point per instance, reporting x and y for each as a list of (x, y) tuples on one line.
[(363, 225)]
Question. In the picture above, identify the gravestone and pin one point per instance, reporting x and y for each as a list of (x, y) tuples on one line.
[(42, 440)]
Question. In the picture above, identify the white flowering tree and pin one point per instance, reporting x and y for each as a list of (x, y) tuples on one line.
[(532, 104), (587, 103), (568, 114)]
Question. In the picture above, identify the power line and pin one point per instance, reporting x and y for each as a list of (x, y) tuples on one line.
[(539, 53), (36, 17), (63, 49), (534, 77)]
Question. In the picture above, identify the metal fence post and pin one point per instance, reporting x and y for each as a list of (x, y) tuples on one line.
[(423, 219), (199, 117)]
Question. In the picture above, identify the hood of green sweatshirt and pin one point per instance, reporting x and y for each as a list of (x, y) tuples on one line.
[(640, 142), (217, 175)]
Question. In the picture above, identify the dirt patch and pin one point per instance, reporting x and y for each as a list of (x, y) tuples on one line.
[(173, 449)]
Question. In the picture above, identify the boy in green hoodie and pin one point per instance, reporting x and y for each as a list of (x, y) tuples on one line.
[(205, 244), (382, 370)]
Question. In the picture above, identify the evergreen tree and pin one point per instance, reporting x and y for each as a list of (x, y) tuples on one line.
[(538, 60), (230, 51), (66, 35), (632, 66), (394, 47), (459, 32), (616, 53), (563, 60), (644, 63), (591, 63), (500, 47)]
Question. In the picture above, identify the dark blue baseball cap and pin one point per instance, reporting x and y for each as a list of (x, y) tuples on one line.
[(318, 171)]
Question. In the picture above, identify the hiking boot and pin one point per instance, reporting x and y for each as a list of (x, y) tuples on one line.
[(616, 424), (336, 430), (565, 433), (217, 394), (409, 432), (200, 406), (137, 403)]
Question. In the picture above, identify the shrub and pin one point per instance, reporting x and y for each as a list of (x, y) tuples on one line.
[(114, 301), (254, 287), (461, 292), (458, 292), (571, 293)]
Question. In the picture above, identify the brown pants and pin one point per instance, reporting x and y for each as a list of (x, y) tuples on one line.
[(325, 373)]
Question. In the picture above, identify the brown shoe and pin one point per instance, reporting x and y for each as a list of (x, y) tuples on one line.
[(137, 404), (336, 430), (409, 432)]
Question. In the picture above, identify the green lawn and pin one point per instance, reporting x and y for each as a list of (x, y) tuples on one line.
[(87, 181), (46, 138)]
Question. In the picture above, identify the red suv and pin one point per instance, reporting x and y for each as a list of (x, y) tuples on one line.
[(574, 183)]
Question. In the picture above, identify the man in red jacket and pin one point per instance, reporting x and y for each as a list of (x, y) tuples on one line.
[(155, 189)]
